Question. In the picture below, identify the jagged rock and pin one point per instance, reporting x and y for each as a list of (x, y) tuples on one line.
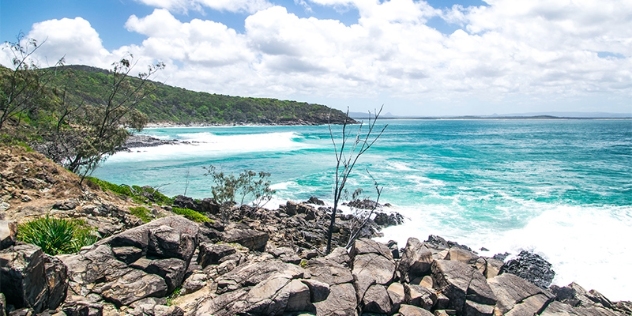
[(212, 253), (517, 294), (392, 245), (372, 264), (291, 208), (416, 260), (131, 287), (492, 267), (531, 267), (151, 306), (253, 273), (194, 282), (171, 270), (458, 281), (329, 271), (65, 205), (82, 308), (277, 295), (319, 291), (397, 294), (340, 256), (315, 200), (251, 239), (341, 301), (168, 241), (559, 308), (386, 220), (127, 254), (226, 304), (8, 232), (462, 255), (3, 305), (31, 279), (575, 295), (410, 310), (419, 296), (477, 309), (376, 300), (368, 246)]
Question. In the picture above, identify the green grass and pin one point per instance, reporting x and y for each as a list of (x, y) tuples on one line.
[(141, 212), (57, 236), (192, 215), (142, 195), (176, 292)]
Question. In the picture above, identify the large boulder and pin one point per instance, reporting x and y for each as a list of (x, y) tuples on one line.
[(212, 253), (254, 273), (31, 279), (249, 238), (465, 286), (373, 264), (531, 267), (416, 260), (517, 296)]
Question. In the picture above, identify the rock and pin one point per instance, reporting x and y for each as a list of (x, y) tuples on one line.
[(531, 267), (420, 296), (376, 300), (341, 301), (559, 308), (492, 267), (251, 239), (368, 246), (386, 220), (127, 254), (223, 305), (409, 310), (392, 245), (82, 308), (277, 295), (31, 279), (131, 287), (315, 200), (319, 291), (462, 255), (517, 294), (3, 305), (65, 205), (253, 273), (194, 282), (397, 294), (476, 309), (340, 256), (8, 232), (458, 281), (575, 295), (416, 260), (171, 270), (167, 241), (329, 271), (212, 253)]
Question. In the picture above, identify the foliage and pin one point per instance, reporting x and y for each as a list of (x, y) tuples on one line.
[(176, 292), (248, 184), (172, 104), (142, 213), (347, 152), (192, 215), (139, 194), (57, 236)]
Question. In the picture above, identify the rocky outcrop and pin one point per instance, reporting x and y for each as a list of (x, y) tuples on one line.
[(531, 267), (8, 231)]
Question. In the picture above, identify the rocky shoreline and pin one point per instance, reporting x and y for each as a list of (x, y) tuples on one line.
[(252, 261)]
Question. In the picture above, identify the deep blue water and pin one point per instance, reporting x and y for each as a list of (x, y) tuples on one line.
[(557, 187)]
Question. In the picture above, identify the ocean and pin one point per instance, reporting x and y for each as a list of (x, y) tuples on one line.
[(559, 188)]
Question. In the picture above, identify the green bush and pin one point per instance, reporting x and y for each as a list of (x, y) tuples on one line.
[(138, 194), (141, 212), (57, 236), (192, 215)]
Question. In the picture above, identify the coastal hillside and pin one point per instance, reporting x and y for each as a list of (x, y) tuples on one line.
[(168, 104)]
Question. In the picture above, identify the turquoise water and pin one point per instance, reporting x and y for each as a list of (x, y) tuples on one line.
[(561, 188)]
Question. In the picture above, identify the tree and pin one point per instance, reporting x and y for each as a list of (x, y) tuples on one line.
[(22, 87), (87, 131), (361, 217), (347, 152)]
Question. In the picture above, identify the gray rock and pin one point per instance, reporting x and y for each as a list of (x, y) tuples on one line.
[(476, 309), (458, 281), (512, 293), (397, 294), (254, 273), (416, 260), (341, 301), (25, 277), (410, 310), (419, 296), (8, 232), (172, 270), (340, 256), (3, 305), (558, 308), (319, 291), (194, 282), (223, 305), (212, 253), (82, 308), (367, 246), (127, 254), (531, 267), (462, 255), (131, 287), (381, 269), (249, 238), (376, 300), (329, 271)]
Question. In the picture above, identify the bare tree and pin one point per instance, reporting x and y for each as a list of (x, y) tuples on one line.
[(348, 151), (363, 216)]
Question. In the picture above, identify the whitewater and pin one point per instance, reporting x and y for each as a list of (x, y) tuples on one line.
[(559, 188)]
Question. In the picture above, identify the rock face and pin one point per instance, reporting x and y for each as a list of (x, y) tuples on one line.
[(31, 279), (8, 231), (531, 267)]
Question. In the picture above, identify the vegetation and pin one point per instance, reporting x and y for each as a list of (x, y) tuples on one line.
[(247, 185), (192, 215), (143, 213), (57, 236), (177, 105), (347, 152), (145, 194)]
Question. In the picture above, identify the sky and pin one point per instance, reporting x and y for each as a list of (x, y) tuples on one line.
[(427, 58)]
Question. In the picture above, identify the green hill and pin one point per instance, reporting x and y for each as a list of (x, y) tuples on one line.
[(167, 104)]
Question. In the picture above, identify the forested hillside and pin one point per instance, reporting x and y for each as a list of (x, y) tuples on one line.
[(165, 103)]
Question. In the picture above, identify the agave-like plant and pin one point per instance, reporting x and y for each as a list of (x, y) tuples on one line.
[(57, 236)]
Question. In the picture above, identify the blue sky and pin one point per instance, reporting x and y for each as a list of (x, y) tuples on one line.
[(415, 57)]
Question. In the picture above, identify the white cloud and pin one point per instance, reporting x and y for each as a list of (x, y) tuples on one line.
[(535, 54), (74, 39), (248, 6)]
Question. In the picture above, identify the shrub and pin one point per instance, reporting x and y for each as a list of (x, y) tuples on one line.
[(57, 236), (136, 193), (247, 185), (141, 212), (192, 215)]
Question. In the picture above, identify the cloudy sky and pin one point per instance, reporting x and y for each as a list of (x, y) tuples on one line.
[(434, 57)]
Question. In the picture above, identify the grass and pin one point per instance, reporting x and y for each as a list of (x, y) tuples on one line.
[(192, 215), (141, 195), (141, 212), (57, 236), (176, 292)]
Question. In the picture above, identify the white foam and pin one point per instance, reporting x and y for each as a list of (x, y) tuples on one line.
[(205, 144), (588, 245)]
